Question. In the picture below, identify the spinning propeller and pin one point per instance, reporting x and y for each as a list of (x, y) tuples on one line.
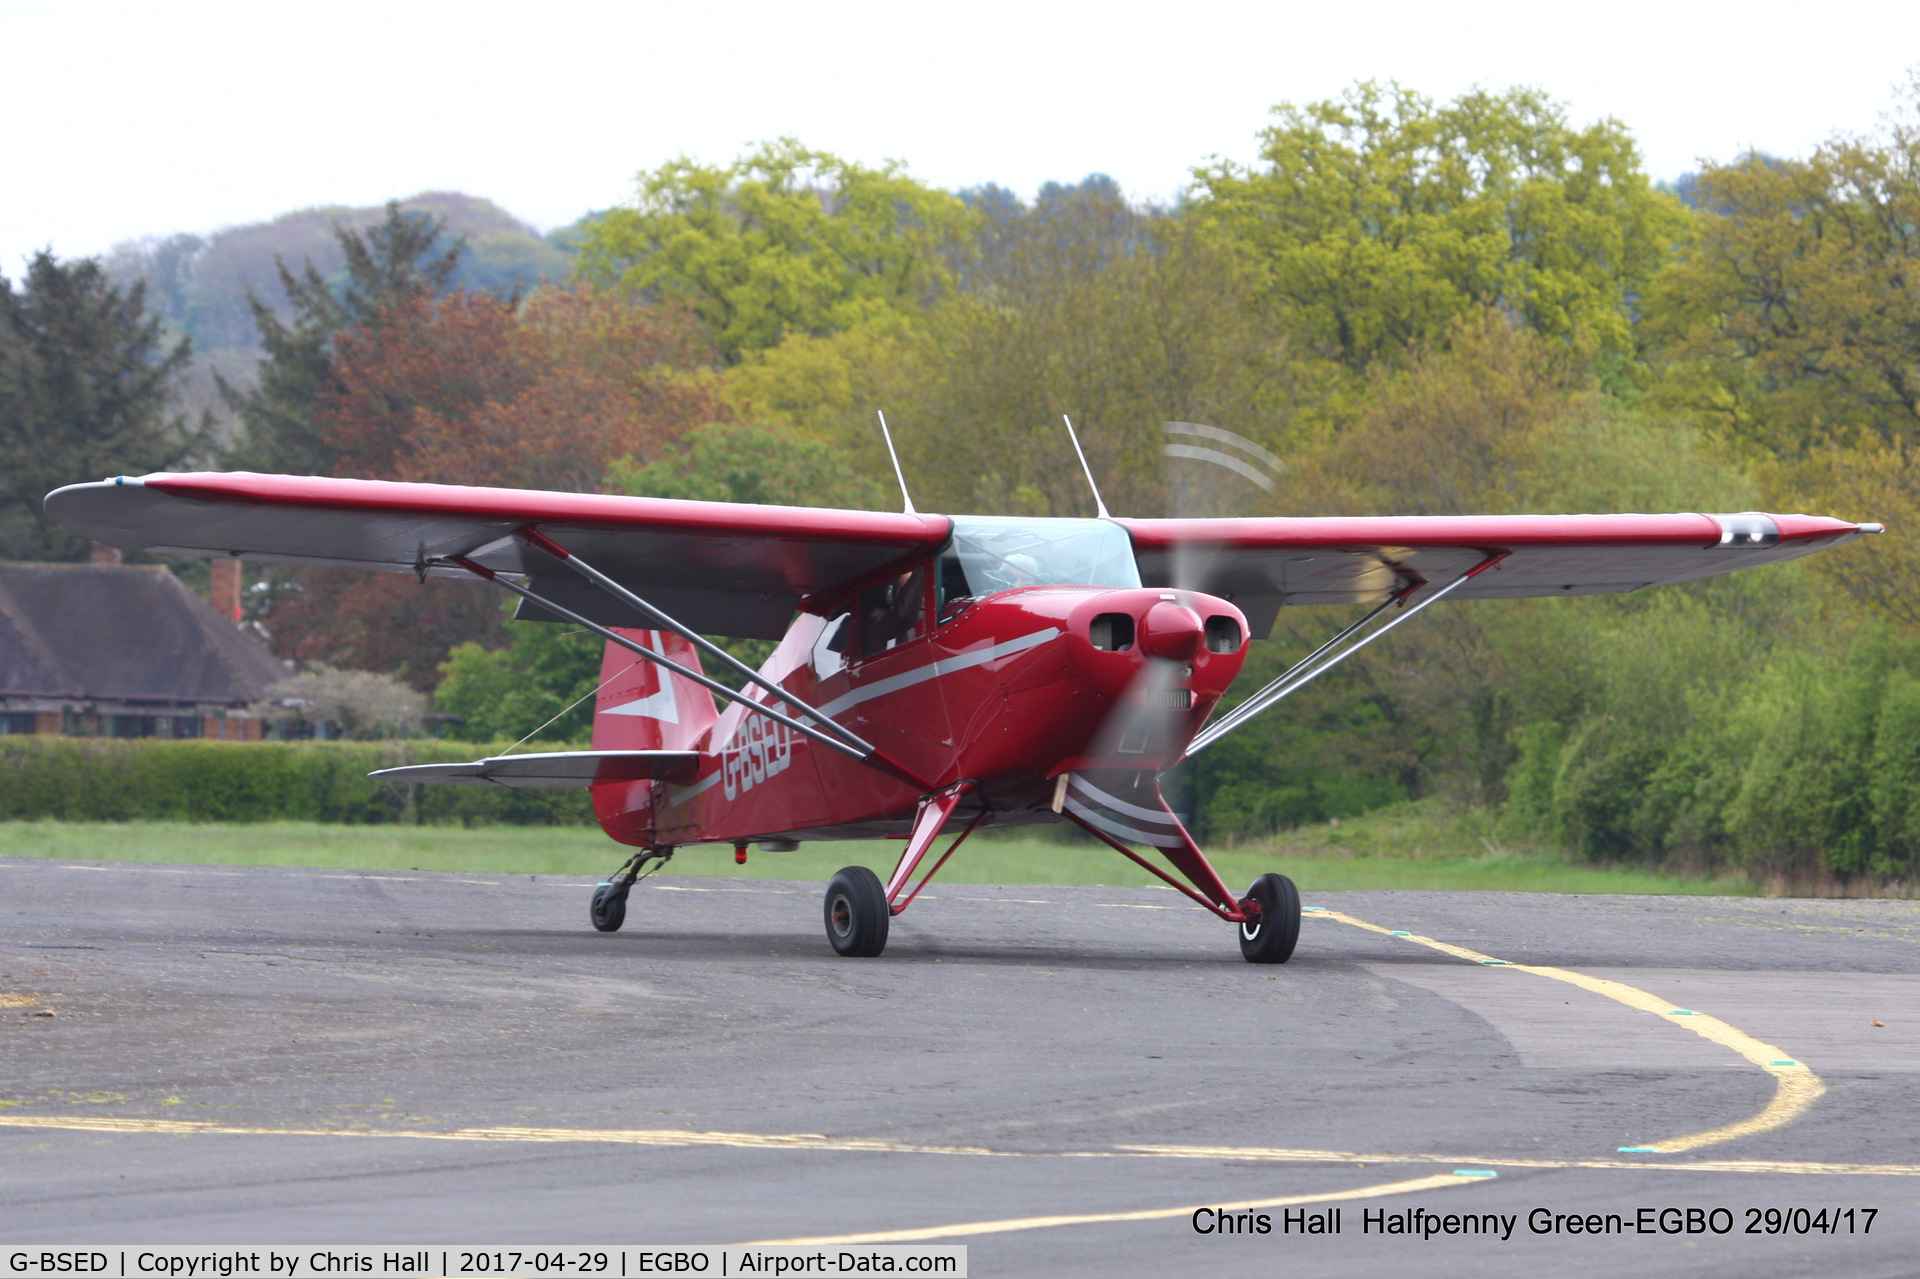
[(1211, 472)]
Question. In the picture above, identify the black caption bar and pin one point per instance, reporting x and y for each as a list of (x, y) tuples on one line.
[(440, 1261)]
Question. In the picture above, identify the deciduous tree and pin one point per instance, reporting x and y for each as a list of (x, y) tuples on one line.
[(784, 240), (1380, 218)]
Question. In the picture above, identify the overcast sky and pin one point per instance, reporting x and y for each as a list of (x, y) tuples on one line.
[(123, 120)]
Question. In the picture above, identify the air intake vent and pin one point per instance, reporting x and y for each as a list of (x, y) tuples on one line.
[(1111, 632), (1170, 699), (1223, 634)]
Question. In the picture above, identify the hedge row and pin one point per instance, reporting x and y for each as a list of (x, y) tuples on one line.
[(101, 779)]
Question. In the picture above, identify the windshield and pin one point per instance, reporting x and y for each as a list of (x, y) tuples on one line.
[(997, 554)]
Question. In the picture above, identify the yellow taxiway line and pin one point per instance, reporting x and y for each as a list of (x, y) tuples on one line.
[(1796, 1088), (677, 1137)]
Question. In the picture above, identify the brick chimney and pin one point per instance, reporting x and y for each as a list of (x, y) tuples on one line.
[(104, 554), (224, 589)]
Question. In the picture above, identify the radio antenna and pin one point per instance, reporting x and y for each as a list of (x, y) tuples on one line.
[(897, 473), (1100, 507)]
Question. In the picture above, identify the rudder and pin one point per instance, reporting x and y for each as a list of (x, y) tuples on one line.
[(642, 706)]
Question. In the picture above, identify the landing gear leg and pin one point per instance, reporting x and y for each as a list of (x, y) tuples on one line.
[(608, 907), (1269, 937)]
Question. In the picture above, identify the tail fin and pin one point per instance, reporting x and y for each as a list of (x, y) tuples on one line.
[(642, 706)]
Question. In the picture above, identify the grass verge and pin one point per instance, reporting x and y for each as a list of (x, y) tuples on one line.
[(1397, 848)]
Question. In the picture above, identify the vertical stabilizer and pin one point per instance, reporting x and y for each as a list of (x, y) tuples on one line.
[(641, 706)]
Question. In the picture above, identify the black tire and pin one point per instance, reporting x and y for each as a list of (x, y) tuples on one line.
[(608, 910), (1271, 938), (857, 914)]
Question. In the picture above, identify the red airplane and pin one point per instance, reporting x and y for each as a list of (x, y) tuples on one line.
[(934, 674)]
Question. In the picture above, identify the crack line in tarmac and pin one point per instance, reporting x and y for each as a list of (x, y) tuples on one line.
[(1796, 1087)]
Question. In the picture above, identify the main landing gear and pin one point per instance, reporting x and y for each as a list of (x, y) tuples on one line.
[(608, 906), (859, 907), (1269, 937), (857, 913)]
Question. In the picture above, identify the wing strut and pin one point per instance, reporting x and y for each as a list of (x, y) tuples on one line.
[(533, 537), (857, 747), (1332, 653)]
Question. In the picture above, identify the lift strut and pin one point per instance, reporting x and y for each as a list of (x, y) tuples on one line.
[(1334, 651), (841, 739)]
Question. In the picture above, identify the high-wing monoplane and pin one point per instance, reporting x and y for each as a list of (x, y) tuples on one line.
[(934, 674)]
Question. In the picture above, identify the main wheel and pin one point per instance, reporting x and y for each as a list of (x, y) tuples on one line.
[(608, 909), (857, 914), (1270, 938)]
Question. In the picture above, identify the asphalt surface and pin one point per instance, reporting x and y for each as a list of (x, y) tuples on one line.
[(274, 1036)]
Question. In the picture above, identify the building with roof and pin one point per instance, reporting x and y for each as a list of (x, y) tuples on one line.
[(111, 650)]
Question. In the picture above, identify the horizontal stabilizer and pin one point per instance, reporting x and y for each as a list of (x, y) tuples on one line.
[(553, 769)]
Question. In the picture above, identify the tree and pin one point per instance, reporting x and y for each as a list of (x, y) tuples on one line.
[(362, 704), (466, 388), (391, 265), (784, 240), (749, 462), (1791, 329), (1793, 319), (1080, 304), (386, 622), (506, 693), (471, 389), (85, 379), (1380, 218), (600, 376), (446, 356)]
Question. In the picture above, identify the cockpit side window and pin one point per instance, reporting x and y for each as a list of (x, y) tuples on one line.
[(951, 583), (893, 612)]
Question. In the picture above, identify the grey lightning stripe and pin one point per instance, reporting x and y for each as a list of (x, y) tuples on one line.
[(678, 795), (893, 684), (1117, 829), (934, 670), (1121, 806)]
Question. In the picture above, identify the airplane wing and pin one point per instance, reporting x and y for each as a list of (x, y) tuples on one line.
[(722, 568), (1262, 564), (549, 769)]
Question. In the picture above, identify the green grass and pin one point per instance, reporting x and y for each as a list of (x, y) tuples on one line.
[(1410, 846)]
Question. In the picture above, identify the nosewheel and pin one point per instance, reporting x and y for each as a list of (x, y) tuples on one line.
[(1269, 937), (857, 913)]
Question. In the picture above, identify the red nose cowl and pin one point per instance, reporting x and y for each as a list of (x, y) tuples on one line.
[(1172, 631)]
